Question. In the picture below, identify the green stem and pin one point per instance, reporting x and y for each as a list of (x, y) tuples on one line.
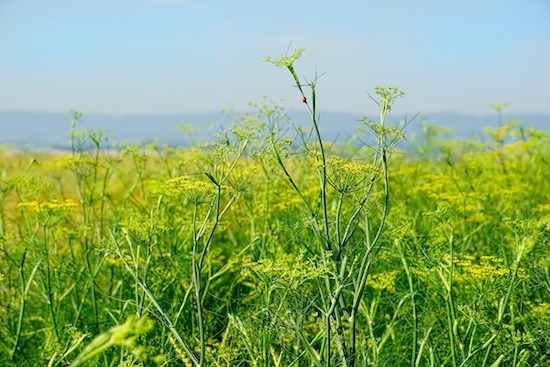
[(451, 309), (148, 292), (504, 303), (413, 303), (21, 309), (197, 286)]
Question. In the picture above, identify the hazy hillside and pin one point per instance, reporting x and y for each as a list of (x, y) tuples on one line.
[(39, 130)]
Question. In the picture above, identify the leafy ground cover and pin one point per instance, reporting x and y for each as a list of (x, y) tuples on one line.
[(270, 247)]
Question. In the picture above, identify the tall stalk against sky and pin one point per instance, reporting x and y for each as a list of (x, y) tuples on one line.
[(344, 285)]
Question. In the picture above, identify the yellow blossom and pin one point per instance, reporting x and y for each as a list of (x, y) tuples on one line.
[(383, 281), (197, 192), (53, 205)]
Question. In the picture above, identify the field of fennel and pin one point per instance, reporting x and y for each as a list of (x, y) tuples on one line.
[(269, 246)]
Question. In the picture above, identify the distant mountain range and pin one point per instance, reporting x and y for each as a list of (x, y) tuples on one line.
[(43, 131)]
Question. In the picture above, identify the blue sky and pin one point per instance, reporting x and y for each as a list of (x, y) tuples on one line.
[(170, 56)]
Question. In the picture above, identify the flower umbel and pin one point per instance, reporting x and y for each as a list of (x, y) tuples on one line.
[(197, 192)]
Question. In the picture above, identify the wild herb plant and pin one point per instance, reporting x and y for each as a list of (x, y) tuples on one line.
[(268, 248), (348, 236)]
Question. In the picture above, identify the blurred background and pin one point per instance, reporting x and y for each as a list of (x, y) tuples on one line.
[(142, 67)]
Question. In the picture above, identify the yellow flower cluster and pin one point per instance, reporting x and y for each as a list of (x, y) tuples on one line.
[(116, 260), (540, 308), (486, 267), (345, 175), (543, 208), (471, 268), (286, 199), (290, 273), (242, 180), (184, 184), (455, 193), (286, 60), (383, 281), (245, 173), (437, 187), (196, 192), (72, 161), (53, 205), (286, 204), (406, 169), (338, 164), (160, 187), (499, 133)]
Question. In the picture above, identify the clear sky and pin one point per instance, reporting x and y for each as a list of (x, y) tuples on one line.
[(170, 56)]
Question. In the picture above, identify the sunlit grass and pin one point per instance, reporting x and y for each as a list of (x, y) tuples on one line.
[(268, 247)]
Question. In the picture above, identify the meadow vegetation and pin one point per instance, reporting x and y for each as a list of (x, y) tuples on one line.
[(269, 246)]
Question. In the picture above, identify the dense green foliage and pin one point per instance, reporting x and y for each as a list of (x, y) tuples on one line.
[(265, 248)]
